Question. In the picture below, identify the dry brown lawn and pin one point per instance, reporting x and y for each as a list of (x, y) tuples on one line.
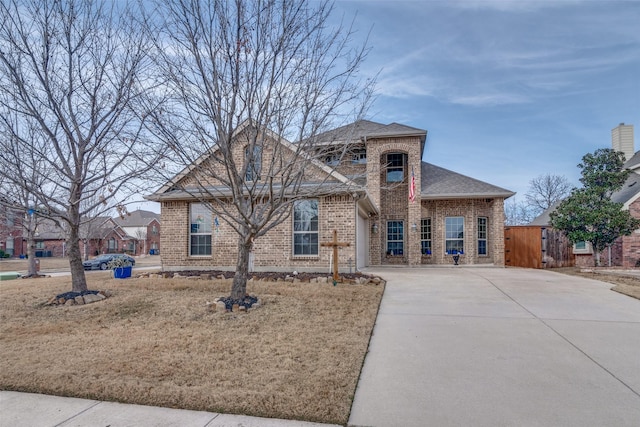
[(154, 342), (624, 283)]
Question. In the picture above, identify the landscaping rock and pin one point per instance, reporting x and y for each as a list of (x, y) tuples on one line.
[(79, 300), (88, 299), (221, 307)]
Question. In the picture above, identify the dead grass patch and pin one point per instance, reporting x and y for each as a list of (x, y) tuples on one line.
[(624, 283), (154, 342)]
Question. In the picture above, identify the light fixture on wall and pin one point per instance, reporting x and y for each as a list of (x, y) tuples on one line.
[(414, 227), (374, 228)]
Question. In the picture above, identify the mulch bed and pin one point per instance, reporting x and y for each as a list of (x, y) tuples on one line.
[(267, 276)]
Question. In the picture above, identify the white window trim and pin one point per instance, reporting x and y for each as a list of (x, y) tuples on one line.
[(486, 235), (588, 249), (402, 240), (294, 233), (422, 239), (452, 239), (209, 233)]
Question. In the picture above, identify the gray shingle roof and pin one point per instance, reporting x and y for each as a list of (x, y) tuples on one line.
[(138, 218), (544, 219), (441, 183), (630, 188), (633, 161), (368, 129)]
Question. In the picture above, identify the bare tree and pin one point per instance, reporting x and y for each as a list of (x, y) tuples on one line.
[(545, 190), (71, 78), (517, 213), (254, 83)]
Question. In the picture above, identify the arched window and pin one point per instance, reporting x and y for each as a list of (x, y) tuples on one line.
[(395, 167)]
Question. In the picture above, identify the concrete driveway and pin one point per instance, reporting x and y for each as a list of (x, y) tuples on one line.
[(500, 347)]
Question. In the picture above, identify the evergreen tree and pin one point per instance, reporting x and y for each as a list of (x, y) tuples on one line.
[(589, 214)]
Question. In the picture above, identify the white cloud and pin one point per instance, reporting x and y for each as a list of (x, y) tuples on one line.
[(510, 5), (489, 99)]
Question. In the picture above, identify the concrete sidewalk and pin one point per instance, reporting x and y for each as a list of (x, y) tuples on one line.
[(500, 347), (38, 410)]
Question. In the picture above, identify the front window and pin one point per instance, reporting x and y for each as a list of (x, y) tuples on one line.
[(582, 247), (40, 244), (200, 230), (395, 167), (332, 160), (359, 156), (154, 230), (10, 217), (454, 235), (112, 245), (395, 238), (254, 162), (482, 236), (305, 227), (425, 236)]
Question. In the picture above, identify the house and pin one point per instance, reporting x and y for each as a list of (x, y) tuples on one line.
[(10, 229), (625, 252), (137, 233), (141, 232), (369, 205)]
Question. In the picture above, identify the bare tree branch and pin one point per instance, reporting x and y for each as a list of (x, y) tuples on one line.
[(74, 74), (253, 84)]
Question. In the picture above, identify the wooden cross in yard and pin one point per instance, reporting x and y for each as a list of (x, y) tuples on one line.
[(335, 245)]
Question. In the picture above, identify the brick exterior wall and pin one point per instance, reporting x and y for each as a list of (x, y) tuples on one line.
[(273, 251), (631, 244), (470, 210), (11, 231), (393, 198), (625, 252)]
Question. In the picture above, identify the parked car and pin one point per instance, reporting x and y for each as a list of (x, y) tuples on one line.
[(101, 262)]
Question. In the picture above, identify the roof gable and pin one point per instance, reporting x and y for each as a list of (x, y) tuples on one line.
[(322, 169)]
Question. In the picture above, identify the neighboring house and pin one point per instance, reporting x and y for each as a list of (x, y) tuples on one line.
[(142, 231), (369, 207), (10, 229), (139, 234), (625, 252)]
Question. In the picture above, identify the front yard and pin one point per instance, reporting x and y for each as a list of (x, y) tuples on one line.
[(156, 342)]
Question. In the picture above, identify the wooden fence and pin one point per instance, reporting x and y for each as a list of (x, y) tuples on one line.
[(536, 247)]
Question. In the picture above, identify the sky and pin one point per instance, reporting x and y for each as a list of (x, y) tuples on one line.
[(507, 90)]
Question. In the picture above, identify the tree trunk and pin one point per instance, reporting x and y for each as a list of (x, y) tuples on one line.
[(596, 254), (239, 286), (78, 279), (31, 247)]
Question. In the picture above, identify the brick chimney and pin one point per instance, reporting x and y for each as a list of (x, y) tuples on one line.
[(622, 140)]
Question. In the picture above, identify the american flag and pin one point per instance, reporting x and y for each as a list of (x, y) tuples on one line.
[(412, 187)]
